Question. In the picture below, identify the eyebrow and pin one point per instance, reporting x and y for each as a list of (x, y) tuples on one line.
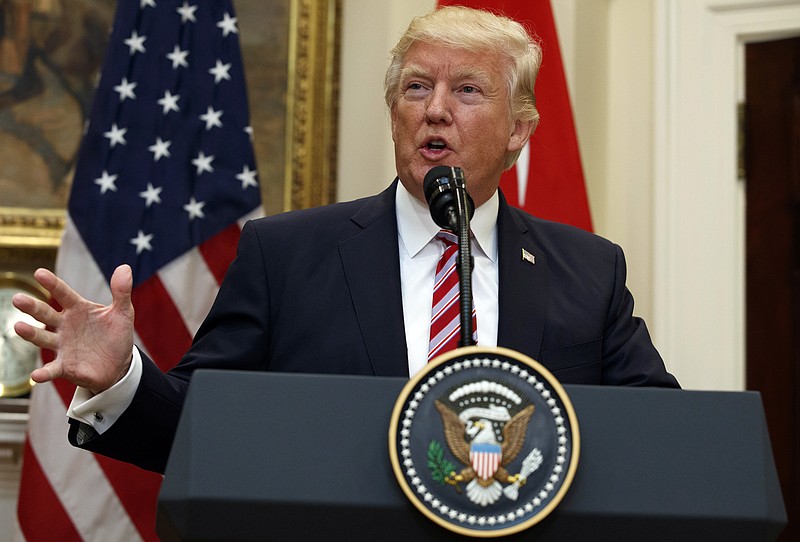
[(463, 73), (413, 71)]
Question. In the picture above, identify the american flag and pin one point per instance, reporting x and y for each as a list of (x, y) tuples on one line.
[(164, 180)]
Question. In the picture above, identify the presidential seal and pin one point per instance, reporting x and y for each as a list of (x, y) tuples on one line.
[(484, 441)]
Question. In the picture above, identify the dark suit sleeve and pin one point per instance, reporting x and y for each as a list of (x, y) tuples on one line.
[(143, 433), (629, 357)]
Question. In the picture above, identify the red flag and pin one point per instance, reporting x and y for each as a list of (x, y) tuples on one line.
[(164, 179), (547, 180)]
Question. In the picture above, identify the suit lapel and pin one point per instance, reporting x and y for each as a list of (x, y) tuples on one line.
[(372, 269), (523, 285)]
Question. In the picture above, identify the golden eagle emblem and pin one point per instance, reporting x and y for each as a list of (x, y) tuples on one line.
[(486, 439)]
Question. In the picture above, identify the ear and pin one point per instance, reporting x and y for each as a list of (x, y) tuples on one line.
[(521, 134), (393, 116)]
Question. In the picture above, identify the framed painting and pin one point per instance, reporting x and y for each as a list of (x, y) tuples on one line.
[(50, 54)]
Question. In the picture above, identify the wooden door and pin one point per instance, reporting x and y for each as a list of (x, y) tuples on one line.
[(772, 169)]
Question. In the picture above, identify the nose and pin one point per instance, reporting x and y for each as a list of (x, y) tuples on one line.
[(437, 109)]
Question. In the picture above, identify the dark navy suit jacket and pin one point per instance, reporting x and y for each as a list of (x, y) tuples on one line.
[(318, 291)]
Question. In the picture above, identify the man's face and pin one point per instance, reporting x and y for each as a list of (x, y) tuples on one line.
[(453, 109)]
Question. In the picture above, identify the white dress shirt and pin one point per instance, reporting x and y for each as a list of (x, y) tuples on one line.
[(419, 253)]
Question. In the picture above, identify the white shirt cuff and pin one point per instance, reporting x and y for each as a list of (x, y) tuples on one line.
[(102, 410)]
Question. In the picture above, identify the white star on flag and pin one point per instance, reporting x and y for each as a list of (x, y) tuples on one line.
[(220, 71), (136, 43), (116, 135), (169, 102), (142, 242), (247, 177), (147, 3), (187, 12), (194, 208), (160, 149), (125, 89), (151, 195), (228, 25), (203, 163), (211, 118), (106, 182), (178, 57)]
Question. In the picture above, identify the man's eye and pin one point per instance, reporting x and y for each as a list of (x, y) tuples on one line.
[(414, 86), (469, 89)]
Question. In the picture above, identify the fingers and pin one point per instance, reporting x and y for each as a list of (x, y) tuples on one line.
[(60, 290), (40, 337), (36, 308), (49, 372), (90, 340)]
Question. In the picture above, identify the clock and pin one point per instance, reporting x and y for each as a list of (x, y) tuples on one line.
[(18, 357)]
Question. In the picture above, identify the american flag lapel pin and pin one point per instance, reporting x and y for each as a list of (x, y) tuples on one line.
[(528, 257)]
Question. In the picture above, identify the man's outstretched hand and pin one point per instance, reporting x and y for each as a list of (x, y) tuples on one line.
[(93, 343)]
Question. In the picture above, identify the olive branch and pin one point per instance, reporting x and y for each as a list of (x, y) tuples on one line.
[(440, 467)]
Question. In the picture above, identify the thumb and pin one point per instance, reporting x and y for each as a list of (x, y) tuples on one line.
[(121, 286)]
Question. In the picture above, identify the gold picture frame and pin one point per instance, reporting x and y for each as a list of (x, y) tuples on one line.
[(294, 110)]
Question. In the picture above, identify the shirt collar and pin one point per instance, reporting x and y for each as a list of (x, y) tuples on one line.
[(416, 227)]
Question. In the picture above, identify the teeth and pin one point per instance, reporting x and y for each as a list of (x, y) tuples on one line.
[(436, 145)]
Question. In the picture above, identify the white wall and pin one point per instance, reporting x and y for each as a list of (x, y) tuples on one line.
[(369, 30)]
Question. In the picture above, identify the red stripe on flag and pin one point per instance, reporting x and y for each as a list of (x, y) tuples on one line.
[(220, 250), (39, 510), (159, 324), (64, 389), (137, 490)]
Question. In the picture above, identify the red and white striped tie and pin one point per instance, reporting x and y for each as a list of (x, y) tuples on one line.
[(446, 306)]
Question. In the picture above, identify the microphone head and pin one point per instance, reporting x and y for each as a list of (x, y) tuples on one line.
[(437, 181), (440, 187)]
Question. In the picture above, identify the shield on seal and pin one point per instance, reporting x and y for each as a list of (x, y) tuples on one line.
[(485, 458)]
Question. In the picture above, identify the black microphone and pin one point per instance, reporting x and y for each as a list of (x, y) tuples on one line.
[(441, 186)]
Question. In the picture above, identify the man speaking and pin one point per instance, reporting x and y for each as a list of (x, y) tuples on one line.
[(351, 288)]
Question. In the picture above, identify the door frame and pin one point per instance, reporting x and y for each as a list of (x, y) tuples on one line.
[(699, 204)]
